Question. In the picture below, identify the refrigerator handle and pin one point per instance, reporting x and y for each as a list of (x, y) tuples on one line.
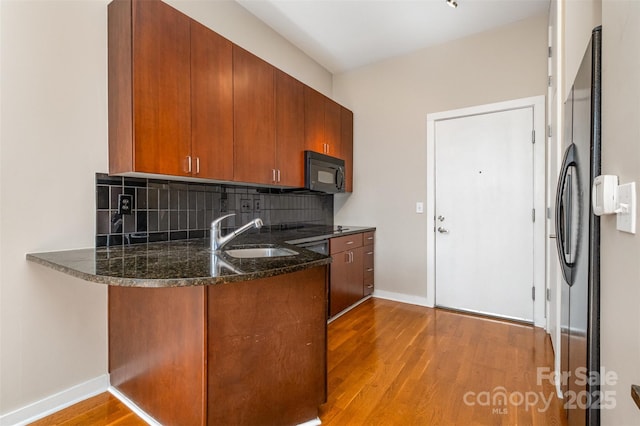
[(563, 212)]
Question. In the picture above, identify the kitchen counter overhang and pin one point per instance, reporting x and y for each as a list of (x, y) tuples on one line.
[(174, 264)]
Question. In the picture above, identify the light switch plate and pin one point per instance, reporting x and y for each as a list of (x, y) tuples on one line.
[(626, 218), (419, 207)]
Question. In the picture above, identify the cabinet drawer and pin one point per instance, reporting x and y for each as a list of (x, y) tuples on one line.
[(368, 276), (367, 287), (347, 242), (369, 237), (368, 257)]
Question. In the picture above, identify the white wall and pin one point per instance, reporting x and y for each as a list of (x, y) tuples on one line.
[(391, 101), (53, 139), (620, 269)]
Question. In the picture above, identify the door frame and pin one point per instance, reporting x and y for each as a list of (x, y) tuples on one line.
[(539, 194)]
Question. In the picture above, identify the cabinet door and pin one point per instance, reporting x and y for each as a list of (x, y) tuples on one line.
[(211, 104), (332, 131), (254, 118), (289, 130), (314, 120), (346, 146), (161, 89), (339, 298), (356, 276)]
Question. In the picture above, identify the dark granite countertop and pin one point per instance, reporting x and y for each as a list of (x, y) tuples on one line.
[(190, 262)]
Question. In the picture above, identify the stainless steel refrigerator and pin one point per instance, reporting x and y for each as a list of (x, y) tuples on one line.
[(578, 240)]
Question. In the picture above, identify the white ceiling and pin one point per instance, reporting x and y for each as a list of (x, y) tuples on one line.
[(345, 34)]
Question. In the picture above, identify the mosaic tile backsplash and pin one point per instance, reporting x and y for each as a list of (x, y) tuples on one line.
[(163, 210)]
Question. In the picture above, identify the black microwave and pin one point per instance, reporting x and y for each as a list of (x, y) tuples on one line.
[(323, 173)]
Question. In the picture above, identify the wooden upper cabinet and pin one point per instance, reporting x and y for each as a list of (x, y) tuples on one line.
[(314, 120), (289, 130), (149, 88), (254, 118), (211, 104), (185, 101), (332, 131), (346, 146), (322, 123)]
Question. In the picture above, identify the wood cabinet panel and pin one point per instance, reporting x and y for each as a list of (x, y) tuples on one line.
[(211, 104), (161, 88), (254, 118), (332, 130), (314, 102), (149, 88), (289, 130), (267, 349), (346, 146), (157, 350)]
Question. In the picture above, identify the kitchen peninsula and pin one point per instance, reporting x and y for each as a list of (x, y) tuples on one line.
[(197, 337)]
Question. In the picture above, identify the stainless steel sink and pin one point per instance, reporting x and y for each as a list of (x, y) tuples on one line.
[(255, 252)]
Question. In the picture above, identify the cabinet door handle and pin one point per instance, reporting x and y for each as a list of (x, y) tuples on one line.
[(369, 269), (369, 252), (351, 253), (347, 257), (188, 164), (197, 165), (278, 175), (273, 175)]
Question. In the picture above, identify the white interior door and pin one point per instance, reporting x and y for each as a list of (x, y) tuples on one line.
[(484, 213)]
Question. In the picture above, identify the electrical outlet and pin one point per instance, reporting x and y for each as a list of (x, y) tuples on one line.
[(245, 206), (256, 205), (125, 203)]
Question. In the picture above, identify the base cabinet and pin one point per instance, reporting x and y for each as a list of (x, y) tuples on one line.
[(351, 276), (252, 352)]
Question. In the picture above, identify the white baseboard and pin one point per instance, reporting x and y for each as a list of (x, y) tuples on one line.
[(401, 297), (56, 402), (133, 407)]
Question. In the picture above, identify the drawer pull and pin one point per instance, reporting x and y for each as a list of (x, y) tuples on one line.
[(369, 269), (369, 252), (349, 242), (370, 286), (369, 238)]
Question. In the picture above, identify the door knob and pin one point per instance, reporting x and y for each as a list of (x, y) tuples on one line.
[(443, 230)]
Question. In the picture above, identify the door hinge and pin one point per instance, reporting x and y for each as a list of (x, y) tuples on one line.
[(549, 131), (533, 215), (533, 136), (548, 295), (533, 293), (549, 81), (550, 52)]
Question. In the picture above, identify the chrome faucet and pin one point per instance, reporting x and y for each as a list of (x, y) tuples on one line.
[(217, 240)]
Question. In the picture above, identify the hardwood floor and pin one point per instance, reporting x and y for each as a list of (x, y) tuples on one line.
[(396, 364), (101, 410)]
